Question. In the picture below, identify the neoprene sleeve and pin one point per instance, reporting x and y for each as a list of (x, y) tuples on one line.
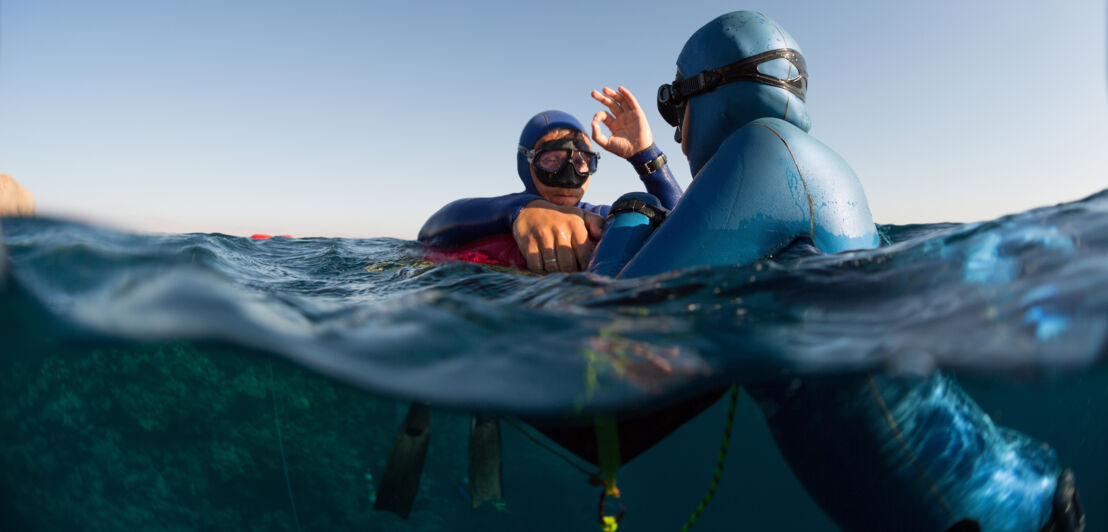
[(463, 221), (659, 183)]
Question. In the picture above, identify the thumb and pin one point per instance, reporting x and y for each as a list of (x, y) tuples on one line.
[(595, 224), (597, 134)]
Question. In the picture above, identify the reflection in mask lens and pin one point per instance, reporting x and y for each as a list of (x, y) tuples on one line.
[(552, 156), (554, 160), (551, 161), (585, 161)]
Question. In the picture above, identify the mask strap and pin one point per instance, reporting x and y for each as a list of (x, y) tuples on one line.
[(708, 80)]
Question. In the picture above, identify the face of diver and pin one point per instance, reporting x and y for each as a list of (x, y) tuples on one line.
[(565, 197)]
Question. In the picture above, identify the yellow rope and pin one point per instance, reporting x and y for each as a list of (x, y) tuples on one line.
[(719, 461), (610, 523)]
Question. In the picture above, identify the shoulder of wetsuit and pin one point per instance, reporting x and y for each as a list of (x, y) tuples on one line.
[(767, 150)]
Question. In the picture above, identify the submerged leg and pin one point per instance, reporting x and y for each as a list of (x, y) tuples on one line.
[(913, 454), (400, 481), (485, 464)]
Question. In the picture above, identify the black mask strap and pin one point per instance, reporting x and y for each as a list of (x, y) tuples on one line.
[(747, 70)]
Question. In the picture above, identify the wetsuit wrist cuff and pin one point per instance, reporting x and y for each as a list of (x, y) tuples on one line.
[(646, 155), (648, 161)]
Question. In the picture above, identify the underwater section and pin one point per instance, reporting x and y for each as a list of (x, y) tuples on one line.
[(206, 381), (179, 436)]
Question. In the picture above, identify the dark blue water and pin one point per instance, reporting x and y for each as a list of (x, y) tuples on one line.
[(145, 373)]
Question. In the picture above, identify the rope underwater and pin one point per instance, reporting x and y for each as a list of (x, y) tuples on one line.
[(607, 448), (719, 461), (606, 479), (281, 446)]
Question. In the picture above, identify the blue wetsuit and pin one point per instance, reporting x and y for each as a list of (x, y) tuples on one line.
[(465, 221), (877, 452)]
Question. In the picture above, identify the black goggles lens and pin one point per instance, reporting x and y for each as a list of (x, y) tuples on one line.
[(671, 105)]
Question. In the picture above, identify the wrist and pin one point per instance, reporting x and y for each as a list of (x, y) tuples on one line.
[(514, 214), (648, 161)]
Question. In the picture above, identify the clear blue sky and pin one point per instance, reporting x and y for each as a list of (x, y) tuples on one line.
[(362, 118)]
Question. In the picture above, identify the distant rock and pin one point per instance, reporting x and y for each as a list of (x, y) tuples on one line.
[(14, 199)]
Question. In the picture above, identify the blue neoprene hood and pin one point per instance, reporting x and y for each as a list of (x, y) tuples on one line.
[(538, 126), (717, 114)]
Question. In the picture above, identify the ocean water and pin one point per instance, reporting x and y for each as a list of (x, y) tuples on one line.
[(213, 382)]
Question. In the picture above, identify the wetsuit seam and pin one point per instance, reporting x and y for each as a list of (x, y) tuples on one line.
[(811, 205), (784, 41), (904, 445)]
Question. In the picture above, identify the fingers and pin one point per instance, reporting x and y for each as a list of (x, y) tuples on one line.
[(549, 255), (611, 99), (530, 248), (611, 143), (597, 134), (602, 116), (555, 239), (598, 97), (572, 248), (629, 100), (595, 224), (583, 247), (580, 244), (567, 260), (617, 99), (526, 237)]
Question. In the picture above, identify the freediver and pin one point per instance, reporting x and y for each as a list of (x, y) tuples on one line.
[(550, 230), (552, 227), (876, 452)]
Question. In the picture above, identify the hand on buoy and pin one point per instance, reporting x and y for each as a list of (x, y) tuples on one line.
[(554, 238)]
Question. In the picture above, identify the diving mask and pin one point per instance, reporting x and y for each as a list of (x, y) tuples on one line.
[(562, 163)]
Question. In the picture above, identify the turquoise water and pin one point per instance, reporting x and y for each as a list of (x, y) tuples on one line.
[(147, 377)]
